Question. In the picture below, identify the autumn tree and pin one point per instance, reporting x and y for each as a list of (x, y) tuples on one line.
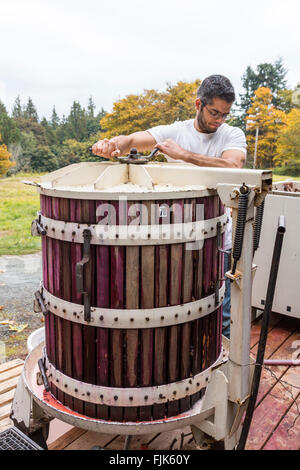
[(288, 143), (150, 108), (5, 159), (263, 115)]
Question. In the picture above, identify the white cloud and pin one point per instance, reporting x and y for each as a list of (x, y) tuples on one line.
[(58, 51)]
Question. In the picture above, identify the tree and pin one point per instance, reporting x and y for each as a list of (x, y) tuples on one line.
[(54, 119), (288, 144), (8, 128), (30, 111), (263, 115), (91, 107), (5, 159), (17, 111), (43, 159), (267, 75), (77, 122), (150, 108)]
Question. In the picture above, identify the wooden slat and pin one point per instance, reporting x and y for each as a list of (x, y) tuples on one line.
[(10, 365), (9, 384), (6, 397), (66, 439), (9, 374), (5, 424), (5, 411), (276, 402)]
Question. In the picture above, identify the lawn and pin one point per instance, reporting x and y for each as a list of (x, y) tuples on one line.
[(19, 204)]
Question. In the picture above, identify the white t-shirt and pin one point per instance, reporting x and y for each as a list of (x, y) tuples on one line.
[(186, 136), (211, 145)]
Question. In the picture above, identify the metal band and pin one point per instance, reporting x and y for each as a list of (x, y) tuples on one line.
[(142, 396), (134, 318), (132, 235)]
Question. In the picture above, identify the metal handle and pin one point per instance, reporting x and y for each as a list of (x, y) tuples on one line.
[(43, 374), (40, 302), (80, 273)]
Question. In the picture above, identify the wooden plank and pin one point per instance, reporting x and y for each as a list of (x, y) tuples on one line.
[(5, 411), (88, 440), (7, 397), (9, 384), (274, 406), (5, 424), (66, 439), (10, 365), (9, 374), (286, 435)]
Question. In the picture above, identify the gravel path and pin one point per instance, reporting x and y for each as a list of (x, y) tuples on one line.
[(19, 279)]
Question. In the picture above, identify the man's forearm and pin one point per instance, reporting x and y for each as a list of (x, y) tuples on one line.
[(202, 160)]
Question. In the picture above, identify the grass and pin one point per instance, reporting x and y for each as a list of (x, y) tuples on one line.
[(19, 204)]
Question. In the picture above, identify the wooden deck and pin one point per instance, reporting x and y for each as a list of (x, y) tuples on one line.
[(275, 424)]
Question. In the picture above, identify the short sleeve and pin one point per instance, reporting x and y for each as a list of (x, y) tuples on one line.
[(161, 133), (236, 140)]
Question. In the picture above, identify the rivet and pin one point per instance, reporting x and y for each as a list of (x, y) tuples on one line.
[(76, 390), (205, 233), (55, 306), (115, 397), (146, 397), (117, 235), (53, 229), (198, 384), (78, 317), (176, 315), (57, 380), (74, 313), (174, 393), (46, 227), (62, 231), (66, 385), (73, 233), (211, 228), (200, 309), (189, 312), (162, 317), (48, 303), (131, 319), (130, 398), (206, 380), (190, 381), (161, 395), (209, 305), (147, 319), (64, 310), (149, 235), (187, 389), (88, 394), (102, 317), (116, 319), (101, 396)]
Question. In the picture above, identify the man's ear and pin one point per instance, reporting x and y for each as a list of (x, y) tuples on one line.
[(198, 104)]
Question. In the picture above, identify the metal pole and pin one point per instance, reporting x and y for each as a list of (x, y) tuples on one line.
[(263, 332), (255, 148)]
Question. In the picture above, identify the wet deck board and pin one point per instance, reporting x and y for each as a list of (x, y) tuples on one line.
[(276, 421)]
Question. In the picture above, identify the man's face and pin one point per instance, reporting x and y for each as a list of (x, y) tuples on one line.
[(211, 116)]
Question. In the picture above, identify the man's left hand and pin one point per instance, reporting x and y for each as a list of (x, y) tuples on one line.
[(170, 148)]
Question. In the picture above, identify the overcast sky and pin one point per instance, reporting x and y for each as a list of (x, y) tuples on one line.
[(59, 51)]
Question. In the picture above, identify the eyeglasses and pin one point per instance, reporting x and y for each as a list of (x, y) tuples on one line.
[(216, 114)]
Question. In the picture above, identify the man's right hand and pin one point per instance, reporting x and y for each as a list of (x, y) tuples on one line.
[(106, 148)]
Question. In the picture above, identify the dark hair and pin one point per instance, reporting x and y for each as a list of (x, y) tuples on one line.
[(215, 86)]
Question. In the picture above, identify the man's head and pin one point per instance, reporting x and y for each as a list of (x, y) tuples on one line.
[(215, 97)]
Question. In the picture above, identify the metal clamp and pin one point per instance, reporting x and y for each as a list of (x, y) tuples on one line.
[(41, 364), (39, 305), (37, 228), (80, 271)]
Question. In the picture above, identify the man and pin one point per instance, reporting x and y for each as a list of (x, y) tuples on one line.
[(204, 141)]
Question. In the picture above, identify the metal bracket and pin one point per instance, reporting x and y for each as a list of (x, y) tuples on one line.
[(38, 305), (37, 228), (80, 278)]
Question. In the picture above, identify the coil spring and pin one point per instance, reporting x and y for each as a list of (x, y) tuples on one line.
[(257, 225), (240, 225)]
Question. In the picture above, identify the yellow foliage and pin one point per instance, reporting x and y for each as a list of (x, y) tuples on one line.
[(5, 162), (151, 108), (263, 115), (288, 144)]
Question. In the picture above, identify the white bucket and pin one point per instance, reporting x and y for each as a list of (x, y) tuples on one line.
[(36, 337)]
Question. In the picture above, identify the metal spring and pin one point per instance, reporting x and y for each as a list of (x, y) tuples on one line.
[(257, 225), (240, 225)]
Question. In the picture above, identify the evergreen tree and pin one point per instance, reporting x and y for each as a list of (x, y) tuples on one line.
[(30, 111), (54, 118), (91, 108), (17, 108), (266, 75), (77, 123)]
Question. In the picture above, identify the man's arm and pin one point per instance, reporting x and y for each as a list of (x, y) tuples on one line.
[(121, 145), (230, 158)]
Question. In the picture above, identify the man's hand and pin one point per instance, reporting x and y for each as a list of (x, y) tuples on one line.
[(173, 150), (106, 148)]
